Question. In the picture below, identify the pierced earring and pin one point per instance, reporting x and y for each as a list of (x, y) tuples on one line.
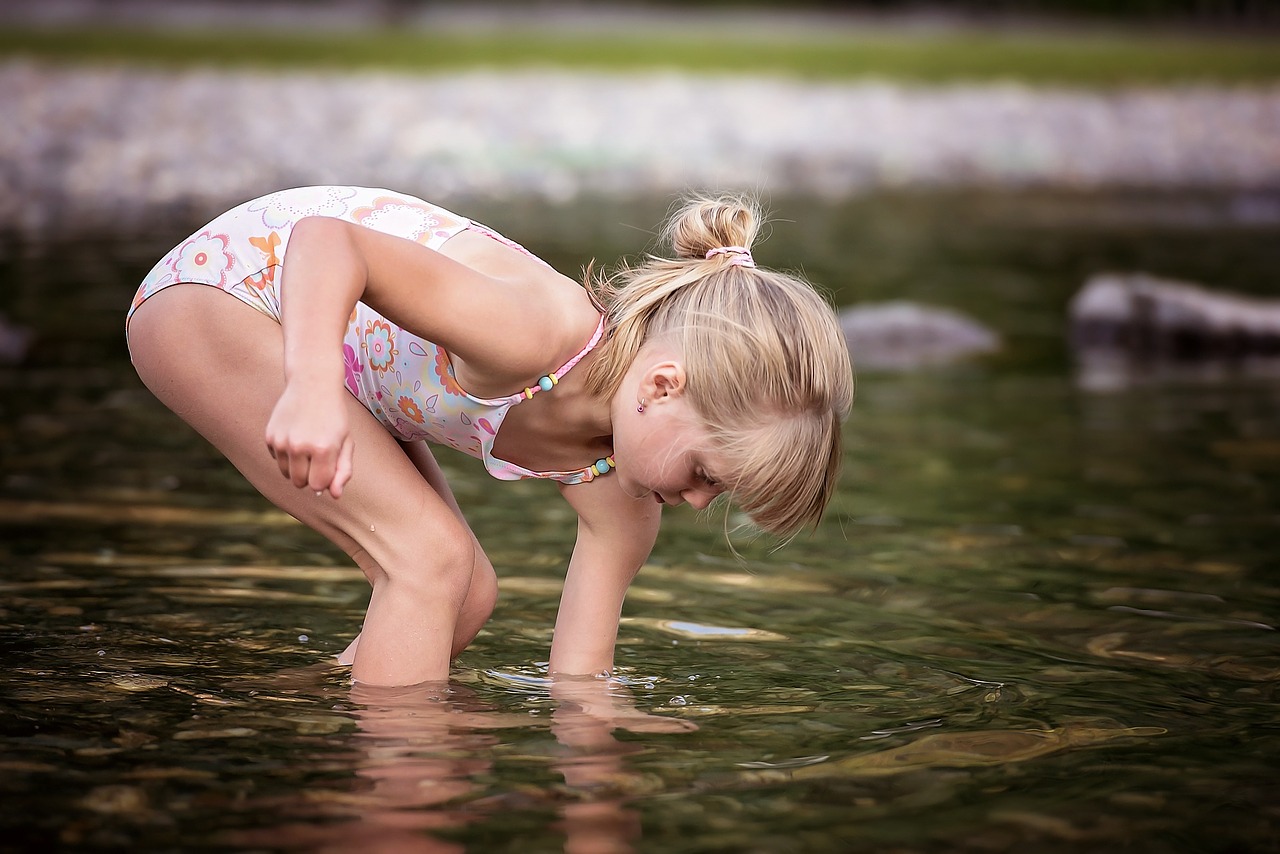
[(640, 408)]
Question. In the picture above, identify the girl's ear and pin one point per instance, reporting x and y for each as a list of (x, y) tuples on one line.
[(666, 379)]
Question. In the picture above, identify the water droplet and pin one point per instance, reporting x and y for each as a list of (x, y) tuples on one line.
[(677, 701), (303, 638), (101, 652)]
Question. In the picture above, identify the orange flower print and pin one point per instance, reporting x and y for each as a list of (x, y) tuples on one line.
[(263, 280), (268, 246), (409, 407), (447, 382), (379, 345)]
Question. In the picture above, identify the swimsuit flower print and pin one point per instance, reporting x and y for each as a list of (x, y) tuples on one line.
[(267, 246), (203, 258), (403, 217), (406, 407), (352, 367), (409, 406), (445, 375), (151, 287), (283, 209), (409, 399), (379, 345)]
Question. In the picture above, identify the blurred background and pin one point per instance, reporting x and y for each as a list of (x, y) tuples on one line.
[(558, 100), (1229, 13)]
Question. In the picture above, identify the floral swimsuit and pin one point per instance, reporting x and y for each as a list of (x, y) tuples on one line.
[(405, 381)]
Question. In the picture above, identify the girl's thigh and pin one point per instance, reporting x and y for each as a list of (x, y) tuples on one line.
[(219, 365)]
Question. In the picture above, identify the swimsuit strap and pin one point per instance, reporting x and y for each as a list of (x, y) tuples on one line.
[(510, 471), (548, 382)]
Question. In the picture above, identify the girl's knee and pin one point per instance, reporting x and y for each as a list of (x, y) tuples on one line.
[(441, 562), (484, 588), (482, 597)]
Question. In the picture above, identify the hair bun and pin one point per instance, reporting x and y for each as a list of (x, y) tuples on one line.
[(704, 224)]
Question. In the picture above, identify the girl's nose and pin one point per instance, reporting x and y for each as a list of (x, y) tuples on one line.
[(697, 498)]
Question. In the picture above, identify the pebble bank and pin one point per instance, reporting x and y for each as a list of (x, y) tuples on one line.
[(104, 144)]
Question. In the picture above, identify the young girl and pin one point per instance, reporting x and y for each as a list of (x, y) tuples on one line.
[(348, 327)]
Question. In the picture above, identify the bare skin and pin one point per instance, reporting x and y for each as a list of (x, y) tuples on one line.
[(218, 364), (271, 397)]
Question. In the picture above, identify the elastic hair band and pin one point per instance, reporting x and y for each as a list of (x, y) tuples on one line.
[(741, 255)]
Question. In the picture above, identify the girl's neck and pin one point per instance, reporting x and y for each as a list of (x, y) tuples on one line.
[(560, 429), (581, 415)]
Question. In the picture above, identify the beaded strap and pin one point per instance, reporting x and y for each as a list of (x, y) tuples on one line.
[(549, 381), (599, 467), (605, 464)]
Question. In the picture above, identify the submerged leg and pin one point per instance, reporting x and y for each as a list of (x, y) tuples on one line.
[(218, 364)]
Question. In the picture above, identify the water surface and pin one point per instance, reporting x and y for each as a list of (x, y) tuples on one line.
[(1037, 617)]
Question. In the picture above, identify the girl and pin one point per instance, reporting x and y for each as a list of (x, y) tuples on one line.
[(395, 322)]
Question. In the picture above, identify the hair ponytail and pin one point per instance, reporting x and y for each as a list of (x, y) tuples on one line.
[(632, 296), (704, 224)]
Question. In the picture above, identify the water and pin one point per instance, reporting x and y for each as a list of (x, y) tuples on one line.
[(1038, 617)]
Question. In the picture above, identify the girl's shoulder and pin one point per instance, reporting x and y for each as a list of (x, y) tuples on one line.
[(527, 317), (532, 288)]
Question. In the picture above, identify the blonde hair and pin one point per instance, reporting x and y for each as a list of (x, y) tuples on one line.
[(767, 367)]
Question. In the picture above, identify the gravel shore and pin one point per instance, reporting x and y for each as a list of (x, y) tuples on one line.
[(108, 144)]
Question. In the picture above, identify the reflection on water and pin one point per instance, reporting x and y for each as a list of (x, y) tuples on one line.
[(1039, 617)]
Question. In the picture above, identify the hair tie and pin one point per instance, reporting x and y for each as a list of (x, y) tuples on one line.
[(741, 255)]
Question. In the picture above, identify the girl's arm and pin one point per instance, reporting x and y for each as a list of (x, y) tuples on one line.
[(615, 535), (491, 322), (498, 327)]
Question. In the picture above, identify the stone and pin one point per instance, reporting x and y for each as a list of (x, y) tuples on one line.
[(1127, 327), (15, 342), (1166, 319), (904, 335)]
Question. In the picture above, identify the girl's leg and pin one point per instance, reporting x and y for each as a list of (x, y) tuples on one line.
[(484, 583), (218, 364)]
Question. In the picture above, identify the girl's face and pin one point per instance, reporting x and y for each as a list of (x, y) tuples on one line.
[(670, 459), (664, 453)]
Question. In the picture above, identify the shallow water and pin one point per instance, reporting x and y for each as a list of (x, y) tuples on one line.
[(1038, 616)]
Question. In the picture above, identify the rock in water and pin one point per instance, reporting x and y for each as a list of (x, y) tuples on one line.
[(904, 335), (15, 342), (1136, 326), (1160, 318)]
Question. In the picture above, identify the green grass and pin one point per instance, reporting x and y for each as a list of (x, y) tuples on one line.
[(1087, 60)]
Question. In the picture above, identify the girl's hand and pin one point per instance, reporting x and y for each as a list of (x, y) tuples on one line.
[(591, 707), (310, 437)]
